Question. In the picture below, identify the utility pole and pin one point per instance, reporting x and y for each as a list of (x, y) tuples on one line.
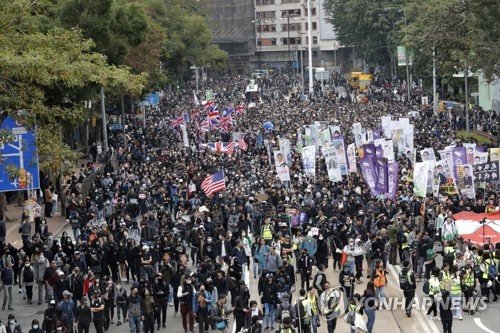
[(309, 34), (104, 125), (434, 85), (466, 73)]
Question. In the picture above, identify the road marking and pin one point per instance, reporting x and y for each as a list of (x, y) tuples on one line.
[(481, 325), (427, 325)]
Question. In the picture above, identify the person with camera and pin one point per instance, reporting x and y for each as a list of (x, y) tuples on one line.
[(220, 314)]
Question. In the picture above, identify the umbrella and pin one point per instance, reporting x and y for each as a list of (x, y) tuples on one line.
[(472, 226), (268, 125)]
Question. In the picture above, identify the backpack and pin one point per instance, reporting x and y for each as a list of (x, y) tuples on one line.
[(368, 250), (315, 280), (405, 282), (301, 309), (425, 287), (492, 269), (429, 253), (285, 313), (28, 275), (449, 258), (351, 317)]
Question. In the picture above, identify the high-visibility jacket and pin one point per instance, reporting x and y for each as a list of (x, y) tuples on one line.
[(404, 245), (267, 234), (381, 278)]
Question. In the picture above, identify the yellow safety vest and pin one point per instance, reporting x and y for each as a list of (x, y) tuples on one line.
[(456, 288), (405, 244), (468, 278), (326, 309), (266, 232), (446, 278), (313, 302)]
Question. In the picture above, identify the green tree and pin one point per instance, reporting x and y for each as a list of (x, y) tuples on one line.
[(368, 26), (114, 25), (463, 33), (42, 71)]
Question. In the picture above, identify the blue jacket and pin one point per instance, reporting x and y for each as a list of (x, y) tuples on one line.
[(8, 276), (311, 246)]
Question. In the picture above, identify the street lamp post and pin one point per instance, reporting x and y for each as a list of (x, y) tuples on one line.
[(260, 40), (309, 46)]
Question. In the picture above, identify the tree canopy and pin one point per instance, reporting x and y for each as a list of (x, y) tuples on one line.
[(42, 72)]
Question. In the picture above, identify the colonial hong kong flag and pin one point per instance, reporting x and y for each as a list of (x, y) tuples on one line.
[(177, 122), (214, 183), (242, 144), (208, 104), (204, 126), (240, 109)]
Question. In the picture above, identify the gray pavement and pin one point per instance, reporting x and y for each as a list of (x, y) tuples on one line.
[(386, 320)]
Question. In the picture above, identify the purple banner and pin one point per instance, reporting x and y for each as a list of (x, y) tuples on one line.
[(480, 148), (369, 150), (392, 179), (381, 171), (458, 157), (379, 151), (369, 174), (377, 133)]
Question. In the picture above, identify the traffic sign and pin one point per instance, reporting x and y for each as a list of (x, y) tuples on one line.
[(20, 153), (116, 127), (152, 99)]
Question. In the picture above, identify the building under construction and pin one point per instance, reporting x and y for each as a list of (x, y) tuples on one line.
[(231, 22)]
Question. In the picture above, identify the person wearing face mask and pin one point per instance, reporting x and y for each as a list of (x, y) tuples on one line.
[(305, 268), (148, 311), (349, 250), (322, 251), (13, 326), (346, 280), (60, 328), (252, 312), (310, 245), (256, 326), (83, 316), (97, 309), (186, 293), (35, 327), (27, 277), (246, 242)]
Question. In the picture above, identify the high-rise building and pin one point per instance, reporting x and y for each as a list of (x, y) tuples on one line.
[(233, 31), (282, 35)]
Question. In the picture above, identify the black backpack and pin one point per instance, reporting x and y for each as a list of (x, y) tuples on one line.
[(301, 310), (28, 275)]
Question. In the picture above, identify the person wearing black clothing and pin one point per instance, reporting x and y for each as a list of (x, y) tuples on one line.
[(305, 268), (83, 316), (269, 298), (185, 294), (220, 282), (377, 250), (161, 292), (346, 280), (409, 290), (241, 307), (445, 311), (97, 309), (176, 282)]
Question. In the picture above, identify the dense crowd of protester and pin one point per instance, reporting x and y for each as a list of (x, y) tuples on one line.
[(146, 237)]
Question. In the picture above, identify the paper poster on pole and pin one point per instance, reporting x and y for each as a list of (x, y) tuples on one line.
[(420, 176), (309, 160), (332, 164), (465, 181)]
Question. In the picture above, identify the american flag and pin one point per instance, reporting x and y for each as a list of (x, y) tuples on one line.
[(177, 122), (242, 144), (230, 148), (214, 183), (240, 109)]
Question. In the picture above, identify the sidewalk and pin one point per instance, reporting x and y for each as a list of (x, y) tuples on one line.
[(14, 212)]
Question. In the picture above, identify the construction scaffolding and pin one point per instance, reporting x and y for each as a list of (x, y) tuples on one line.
[(234, 32)]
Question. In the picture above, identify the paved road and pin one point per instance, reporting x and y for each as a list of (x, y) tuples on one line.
[(386, 320)]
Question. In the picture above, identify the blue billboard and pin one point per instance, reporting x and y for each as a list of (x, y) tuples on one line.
[(19, 152)]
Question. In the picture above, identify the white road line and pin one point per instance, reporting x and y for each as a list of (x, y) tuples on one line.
[(427, 325), (481, 325)]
